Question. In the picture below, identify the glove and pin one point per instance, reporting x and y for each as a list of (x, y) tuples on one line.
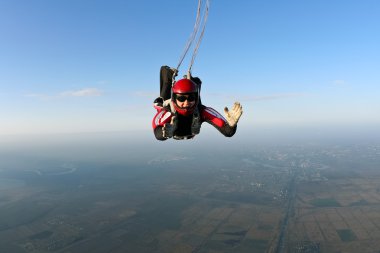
[(233, 116), (169, 128), (158, 103)]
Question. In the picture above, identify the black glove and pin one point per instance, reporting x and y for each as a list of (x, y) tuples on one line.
[(169, 128)]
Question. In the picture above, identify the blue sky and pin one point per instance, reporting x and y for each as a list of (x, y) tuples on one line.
[(88, 66)]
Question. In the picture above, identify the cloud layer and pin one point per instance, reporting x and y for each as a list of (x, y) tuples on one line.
[(85, 92)]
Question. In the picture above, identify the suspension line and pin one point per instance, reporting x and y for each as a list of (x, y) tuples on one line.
[(192, 38)]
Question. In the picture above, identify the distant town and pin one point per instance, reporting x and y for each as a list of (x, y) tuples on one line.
[(282, 199)]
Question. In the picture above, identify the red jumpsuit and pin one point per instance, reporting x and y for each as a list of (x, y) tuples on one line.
[(187, 125)]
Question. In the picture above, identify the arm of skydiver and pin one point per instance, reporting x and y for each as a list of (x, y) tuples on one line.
[(163, 124), (215, 119), (226, 126)]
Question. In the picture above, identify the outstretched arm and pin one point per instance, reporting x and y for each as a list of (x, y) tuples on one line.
[(226, 127)]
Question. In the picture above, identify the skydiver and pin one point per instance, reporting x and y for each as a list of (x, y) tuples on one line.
[(180, 112)]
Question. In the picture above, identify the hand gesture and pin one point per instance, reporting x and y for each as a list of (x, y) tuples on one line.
[(233, 116), (169, 128)]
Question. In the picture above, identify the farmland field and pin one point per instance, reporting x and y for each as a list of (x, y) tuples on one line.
[(291, 199)]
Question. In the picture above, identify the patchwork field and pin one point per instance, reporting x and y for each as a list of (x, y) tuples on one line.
[(292, 199), (341, 215)]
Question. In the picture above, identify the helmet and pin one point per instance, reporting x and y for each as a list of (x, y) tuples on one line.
[(185, 86)]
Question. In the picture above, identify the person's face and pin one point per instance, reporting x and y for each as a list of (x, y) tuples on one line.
[(185, 100)]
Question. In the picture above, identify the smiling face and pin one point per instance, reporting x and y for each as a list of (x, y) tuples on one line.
[(185, 103)]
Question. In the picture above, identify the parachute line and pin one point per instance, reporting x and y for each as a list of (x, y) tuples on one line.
[(198, 20), (192, 35)]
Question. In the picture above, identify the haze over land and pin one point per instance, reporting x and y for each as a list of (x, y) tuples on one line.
[(126, 192)]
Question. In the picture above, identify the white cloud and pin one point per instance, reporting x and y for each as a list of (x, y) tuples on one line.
[(275, 96), (149, 94), (339, 82), (86, 92), (259, 98), (36, 95)]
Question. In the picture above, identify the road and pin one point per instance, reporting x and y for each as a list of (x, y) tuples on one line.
[(280, 248)]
